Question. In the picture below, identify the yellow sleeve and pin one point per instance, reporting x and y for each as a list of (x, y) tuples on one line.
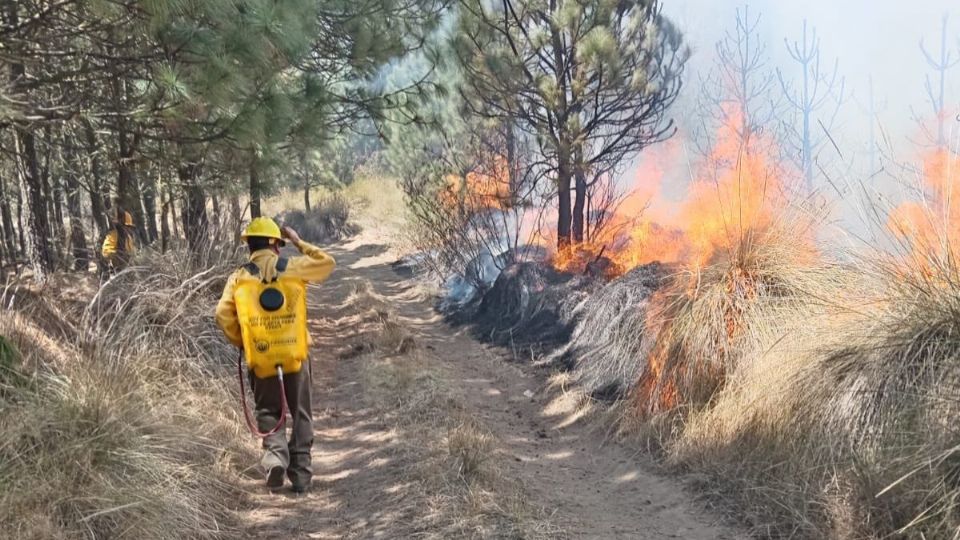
[(226, 313), (315, 266), (109, 248)]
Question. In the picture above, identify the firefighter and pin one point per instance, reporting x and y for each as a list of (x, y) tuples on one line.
[(111, 243), (281, 457)]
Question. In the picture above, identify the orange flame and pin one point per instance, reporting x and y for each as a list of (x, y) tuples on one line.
[(484, 188), (931, 228), (739, 188)]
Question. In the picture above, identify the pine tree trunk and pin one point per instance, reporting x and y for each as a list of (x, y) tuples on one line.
[(35, 210), (164, 227), (6, 256), (97, 205), (564, 178), (53, 192), (254, 188), (579, 205), (6, 220), (196, 223), (217, 225), (21, 236), (174, 223), (5, 259), (236, 217), (59, 196), (98, 211), (150, 207), (128, 197), (306, 192), (511, 144), (78, 239), (35, 225)]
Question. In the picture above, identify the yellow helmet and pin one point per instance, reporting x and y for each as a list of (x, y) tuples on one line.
[(263, 227)]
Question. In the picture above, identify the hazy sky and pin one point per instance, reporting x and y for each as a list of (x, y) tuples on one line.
[(878, 39)]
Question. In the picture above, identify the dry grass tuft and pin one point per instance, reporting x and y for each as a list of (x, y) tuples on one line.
[(380, 329), (128, 429), (471, 448), (839, 423), (606, 351), (710, 319)]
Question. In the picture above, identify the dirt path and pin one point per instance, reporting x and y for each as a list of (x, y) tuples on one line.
[(572, 478)]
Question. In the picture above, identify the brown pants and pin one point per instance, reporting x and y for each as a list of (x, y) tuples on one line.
[(292, 455)]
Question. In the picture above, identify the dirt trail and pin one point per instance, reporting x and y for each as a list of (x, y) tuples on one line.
[(586, 486)]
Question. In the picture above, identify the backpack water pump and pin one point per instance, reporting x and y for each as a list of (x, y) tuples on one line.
[(273, 324)]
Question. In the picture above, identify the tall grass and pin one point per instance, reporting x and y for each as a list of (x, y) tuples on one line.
[(125, 427), (708, 320), (820, 400)]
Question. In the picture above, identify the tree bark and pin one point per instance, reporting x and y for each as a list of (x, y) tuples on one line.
[(564, 178), (21, 236), (53, 194), (217, 226), (164, 227), (195, 219), (150, 207), (6, 219), (579, 204), (174, 224), (4, 257), (78, 239), (97, 205), (128, 196), (236, 217), (6, 253), (37, 238), (306, 192), (254, 188), (35, 210)]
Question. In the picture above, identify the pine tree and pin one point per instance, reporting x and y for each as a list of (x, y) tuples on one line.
[(591, 80)]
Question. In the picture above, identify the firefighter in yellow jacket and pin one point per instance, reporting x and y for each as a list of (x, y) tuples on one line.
[(236, 315), (111, 243)]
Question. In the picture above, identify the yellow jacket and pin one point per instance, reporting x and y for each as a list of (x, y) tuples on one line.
[(110, 244), (315, 266)]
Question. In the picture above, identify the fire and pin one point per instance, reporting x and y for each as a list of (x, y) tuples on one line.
[(487, 187), (738, 192), (931, 228), (738, 189)]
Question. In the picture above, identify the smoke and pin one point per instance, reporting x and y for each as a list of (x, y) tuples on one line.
[(878, 39), (877, 130)]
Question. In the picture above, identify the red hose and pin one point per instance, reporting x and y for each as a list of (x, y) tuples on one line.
[(246, 409)]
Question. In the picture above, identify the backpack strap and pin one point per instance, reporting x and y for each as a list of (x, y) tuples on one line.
[(252, 268), (255, 270)]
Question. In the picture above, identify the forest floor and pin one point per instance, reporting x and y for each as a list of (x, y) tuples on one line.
[(424, 432)]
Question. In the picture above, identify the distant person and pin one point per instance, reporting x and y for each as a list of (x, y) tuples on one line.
[(263, 311), (115, 258)]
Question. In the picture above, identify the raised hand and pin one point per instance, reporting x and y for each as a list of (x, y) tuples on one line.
[(291, 235)]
